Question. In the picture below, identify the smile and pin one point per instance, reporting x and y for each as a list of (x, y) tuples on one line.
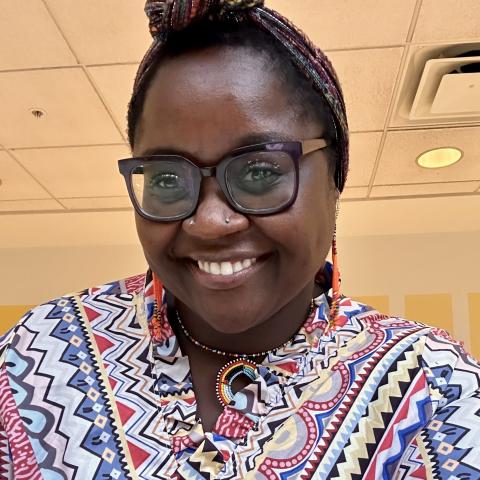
[(227, 267)]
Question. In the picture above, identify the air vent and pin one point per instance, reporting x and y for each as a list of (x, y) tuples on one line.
[(449, 87), (441, 85)]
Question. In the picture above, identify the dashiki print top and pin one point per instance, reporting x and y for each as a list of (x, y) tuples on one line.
[(89, 391)]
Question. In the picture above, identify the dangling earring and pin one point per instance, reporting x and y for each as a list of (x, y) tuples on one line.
[(336, 280), (158, 290)]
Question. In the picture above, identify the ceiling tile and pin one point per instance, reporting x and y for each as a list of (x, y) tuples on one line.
[(29, 38), (75, 114), (446, 20), (109, 31), (354, 192), (363, 153), (398, 165), (115, 83), (96, 203), (367, 78), (16, 183), (333, 24), (29, 205), (77, 171), (423, 189)]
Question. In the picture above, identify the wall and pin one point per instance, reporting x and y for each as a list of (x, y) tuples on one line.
[(434, 278)]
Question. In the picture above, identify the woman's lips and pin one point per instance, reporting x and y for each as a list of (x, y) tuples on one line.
[(226, 274)]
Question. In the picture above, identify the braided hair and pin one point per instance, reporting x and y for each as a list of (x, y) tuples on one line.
[(180, 26)]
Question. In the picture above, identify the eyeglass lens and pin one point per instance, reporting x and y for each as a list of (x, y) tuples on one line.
[(256, 181)]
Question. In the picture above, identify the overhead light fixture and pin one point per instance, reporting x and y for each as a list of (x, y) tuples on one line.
[(440, 157)]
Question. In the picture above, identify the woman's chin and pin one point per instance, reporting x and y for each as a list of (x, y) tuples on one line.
[(231, 327)]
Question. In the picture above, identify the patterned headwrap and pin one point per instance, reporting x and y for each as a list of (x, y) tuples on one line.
[(174, 15)]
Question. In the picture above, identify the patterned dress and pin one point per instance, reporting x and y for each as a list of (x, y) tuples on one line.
[(89, 391)]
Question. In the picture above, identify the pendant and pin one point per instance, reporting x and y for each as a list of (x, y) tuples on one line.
[(227, 375)]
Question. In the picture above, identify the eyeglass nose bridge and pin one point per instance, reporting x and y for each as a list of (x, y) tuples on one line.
[(208, 171)]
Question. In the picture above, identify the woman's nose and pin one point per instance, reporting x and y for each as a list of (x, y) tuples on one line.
[(214, 217)]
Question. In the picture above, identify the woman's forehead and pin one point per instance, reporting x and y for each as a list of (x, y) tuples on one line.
[(205, 101), (205, 74)]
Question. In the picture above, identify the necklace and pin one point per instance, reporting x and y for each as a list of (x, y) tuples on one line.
[(233, 354), (240, 365)]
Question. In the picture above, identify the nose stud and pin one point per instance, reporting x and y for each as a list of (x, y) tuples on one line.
[(227, 220)]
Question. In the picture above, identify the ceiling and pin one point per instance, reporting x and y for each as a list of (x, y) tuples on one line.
[(76, 60)]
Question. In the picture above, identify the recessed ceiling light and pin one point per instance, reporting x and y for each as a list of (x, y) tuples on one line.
[(440, 157)]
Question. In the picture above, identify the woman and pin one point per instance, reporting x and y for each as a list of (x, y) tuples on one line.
[(235, 355)]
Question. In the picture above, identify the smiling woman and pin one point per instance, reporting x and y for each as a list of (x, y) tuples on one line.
[(234, 356)]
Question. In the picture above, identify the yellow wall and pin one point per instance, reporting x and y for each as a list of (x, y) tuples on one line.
[(433, 309), (380, 302), (10, 314)]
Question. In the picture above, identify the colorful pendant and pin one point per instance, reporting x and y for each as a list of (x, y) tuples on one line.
[(227, 375)]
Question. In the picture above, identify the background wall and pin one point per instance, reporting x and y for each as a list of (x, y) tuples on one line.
[(433, 278)]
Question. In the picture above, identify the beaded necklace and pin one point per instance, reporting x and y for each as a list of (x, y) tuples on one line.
[(240, 365)]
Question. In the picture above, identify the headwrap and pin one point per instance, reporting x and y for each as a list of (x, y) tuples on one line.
[(175, 15)]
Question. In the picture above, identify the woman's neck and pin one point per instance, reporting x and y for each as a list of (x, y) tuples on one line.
[(275, 331)]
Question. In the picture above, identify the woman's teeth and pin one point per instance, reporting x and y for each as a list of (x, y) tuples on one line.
[(225, 268)]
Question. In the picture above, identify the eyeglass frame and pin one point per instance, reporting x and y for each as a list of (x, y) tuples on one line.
[(296, 150)]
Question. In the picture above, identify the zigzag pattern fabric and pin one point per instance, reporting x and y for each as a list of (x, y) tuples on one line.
[(86, 394)]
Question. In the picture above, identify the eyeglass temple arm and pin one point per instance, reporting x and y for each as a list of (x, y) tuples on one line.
[(309, 146)]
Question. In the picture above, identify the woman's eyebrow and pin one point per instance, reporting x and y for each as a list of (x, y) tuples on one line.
[(243, 141), (261, 137)]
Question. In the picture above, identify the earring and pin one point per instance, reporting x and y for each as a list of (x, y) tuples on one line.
[(336, 280)]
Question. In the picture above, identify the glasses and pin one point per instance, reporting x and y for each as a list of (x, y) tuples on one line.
[(256, 180)]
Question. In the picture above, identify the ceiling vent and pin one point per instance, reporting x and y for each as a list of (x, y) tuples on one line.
[(441, 85)]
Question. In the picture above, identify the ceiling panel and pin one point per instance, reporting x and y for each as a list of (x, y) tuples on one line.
[(115, 83), (363, 153), (367, 78), (29, 38), (109, 31), (334, 24), (16, 183), (398, 165), (74, 113), (423, 189), (446, 20), (78, 171), (29, 205), (105, 203)]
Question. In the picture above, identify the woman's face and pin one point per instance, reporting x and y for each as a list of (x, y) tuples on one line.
[(205, 104)]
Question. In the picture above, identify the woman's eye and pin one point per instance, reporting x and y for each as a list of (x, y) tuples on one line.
[(165, 180), (167, 187), (264, 172)]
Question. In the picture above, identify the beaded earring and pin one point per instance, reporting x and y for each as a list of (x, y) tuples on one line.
[(336, 280)]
